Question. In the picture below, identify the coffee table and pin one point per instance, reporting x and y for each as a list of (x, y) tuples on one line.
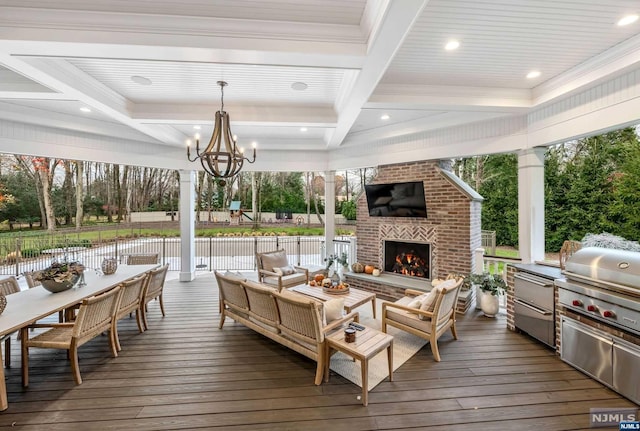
[(368, 344), (353, 299)]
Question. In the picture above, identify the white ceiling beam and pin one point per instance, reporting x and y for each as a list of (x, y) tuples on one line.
[(27, 95), (396, 24), (463, 98), (248, 115), (419, 125), (38, 32)]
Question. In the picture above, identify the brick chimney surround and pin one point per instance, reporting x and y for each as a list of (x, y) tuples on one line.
[(452, 228)]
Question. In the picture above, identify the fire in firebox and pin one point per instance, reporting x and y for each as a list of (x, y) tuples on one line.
[(410, 263)]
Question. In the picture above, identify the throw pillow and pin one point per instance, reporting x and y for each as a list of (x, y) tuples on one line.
[(235, 276), (429, 303), (333, 310), (275, 259), (416, 303), (284, 270), (446, 284)]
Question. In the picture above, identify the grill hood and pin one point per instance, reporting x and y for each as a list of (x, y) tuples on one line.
[(605, 266)]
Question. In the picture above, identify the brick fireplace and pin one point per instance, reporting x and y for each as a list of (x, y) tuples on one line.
[(451, 229)]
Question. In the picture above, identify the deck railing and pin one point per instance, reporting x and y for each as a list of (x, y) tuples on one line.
[(29, 253)]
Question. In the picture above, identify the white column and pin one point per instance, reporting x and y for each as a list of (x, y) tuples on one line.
[(187, 225), (531, 204), (329, 210)]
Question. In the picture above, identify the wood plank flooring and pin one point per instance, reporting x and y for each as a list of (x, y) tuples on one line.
[(184, 373)]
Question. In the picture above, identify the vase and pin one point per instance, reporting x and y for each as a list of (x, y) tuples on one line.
[(341, 271), (490, 304), (109, 265)]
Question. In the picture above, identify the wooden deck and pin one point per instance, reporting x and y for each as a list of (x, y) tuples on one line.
[(184, 373)]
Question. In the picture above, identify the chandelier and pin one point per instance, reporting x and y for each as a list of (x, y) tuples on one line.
[(221, 158)]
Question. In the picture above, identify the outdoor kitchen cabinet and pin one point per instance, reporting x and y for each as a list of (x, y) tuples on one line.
[(608, 359), (626, 365)]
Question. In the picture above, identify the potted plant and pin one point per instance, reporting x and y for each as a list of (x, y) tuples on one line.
[(491, 286)]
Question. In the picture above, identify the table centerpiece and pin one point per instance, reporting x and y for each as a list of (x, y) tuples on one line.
[(60, 276)]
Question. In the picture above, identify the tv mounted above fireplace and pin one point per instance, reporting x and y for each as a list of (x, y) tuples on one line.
[(396, 199)]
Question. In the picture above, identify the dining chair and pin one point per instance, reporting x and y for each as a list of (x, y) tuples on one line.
[(95, 316), (8, 286), (153, 290), (142, 259), (130, 301)]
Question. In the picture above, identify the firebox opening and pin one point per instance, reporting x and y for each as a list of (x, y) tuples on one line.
[(412, 259)]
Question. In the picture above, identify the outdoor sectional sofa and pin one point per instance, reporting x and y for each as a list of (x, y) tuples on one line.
[(291, 319)]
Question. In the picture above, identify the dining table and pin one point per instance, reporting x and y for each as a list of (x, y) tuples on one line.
[(28, 306)]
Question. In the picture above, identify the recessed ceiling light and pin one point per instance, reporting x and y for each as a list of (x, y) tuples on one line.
[(384, 117), (533, 74), (196, 127), (451, 45), (299, 86), (85, 109), (141, 80), (626, 20), (303, 129)]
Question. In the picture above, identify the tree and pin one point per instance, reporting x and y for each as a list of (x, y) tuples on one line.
[(79, 193), (499, 187)]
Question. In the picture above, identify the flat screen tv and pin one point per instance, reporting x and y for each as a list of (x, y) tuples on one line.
[(396, 199)]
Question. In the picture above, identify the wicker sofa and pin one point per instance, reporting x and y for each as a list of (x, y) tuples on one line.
[(293, 320)]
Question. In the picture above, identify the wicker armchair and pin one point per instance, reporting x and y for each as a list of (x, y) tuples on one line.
[(155, 286), (8, 286), (274, 269), (426, 324), (142, 259), (94, 317), (130, 301)]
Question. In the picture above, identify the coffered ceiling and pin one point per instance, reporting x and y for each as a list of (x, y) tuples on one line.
[(307, 78)]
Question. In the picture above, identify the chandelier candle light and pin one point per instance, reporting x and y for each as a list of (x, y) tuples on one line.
[(219, 161)]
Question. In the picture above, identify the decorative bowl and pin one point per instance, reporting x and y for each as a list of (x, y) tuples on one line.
[(334, 290), (59, 286)]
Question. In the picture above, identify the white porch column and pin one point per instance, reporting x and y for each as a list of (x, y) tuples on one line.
[(329, 210), (531, 204), (187, 225)]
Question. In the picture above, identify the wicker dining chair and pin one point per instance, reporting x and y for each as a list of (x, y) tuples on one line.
[(95, 316), (155, 285), (8, 286), (130, 301), (142, 259)]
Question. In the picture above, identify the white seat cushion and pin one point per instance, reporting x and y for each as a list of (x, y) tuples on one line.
[(406, 317)]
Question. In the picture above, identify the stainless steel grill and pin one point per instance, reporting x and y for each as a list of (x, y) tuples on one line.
[(603, 285)]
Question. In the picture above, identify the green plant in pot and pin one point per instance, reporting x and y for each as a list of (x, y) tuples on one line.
[(492, 286)]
